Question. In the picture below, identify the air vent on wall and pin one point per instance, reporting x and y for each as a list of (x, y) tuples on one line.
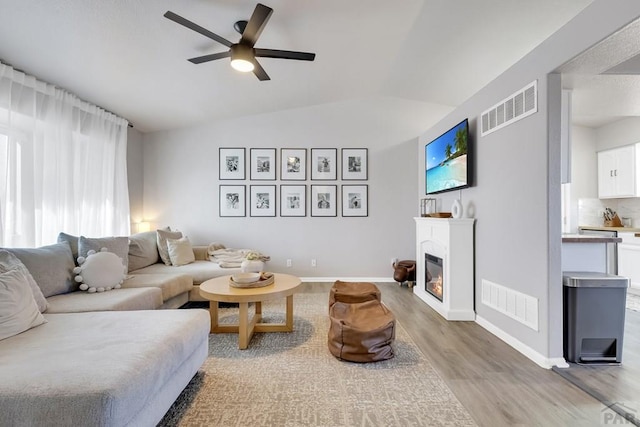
[(515, 107)]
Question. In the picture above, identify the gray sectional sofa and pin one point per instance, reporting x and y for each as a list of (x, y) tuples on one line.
[(105, 358)]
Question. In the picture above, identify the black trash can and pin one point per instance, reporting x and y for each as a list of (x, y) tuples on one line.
[(594, 311)]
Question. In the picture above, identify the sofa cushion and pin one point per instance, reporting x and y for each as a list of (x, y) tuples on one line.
[(198, 270), (117, 245), (171, 285), (51, 267), (163, 250), (18, 309), (180, 251), (9, 261), (143, 250), (65, 373), (116, 300), (72, 240)]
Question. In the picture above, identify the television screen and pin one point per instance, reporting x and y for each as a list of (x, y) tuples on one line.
[(447, 161)]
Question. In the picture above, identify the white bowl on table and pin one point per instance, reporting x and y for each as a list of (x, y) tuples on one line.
[(245, 277)]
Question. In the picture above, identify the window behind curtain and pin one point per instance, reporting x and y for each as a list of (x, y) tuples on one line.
[(62, 164)]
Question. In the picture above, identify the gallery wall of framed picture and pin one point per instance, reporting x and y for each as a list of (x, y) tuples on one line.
[(311, 193)]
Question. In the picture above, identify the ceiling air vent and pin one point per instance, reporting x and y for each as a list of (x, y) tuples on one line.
[(515, 107)]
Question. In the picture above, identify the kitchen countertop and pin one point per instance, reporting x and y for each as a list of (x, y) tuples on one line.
[(603, 228), (585, 238)]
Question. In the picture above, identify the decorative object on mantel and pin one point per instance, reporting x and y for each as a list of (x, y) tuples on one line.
[(456, 209), (440, 215), (427, 206), (611, 218)]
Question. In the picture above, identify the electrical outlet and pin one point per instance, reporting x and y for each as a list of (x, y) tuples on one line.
[(313, 262), (288, 263), (394, 260)]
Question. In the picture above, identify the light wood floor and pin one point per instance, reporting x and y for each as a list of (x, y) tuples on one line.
[(497, 385)]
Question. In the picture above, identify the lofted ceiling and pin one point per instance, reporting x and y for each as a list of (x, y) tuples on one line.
[(124, 56)]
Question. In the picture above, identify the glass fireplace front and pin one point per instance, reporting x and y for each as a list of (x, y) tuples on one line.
[(433, 283)]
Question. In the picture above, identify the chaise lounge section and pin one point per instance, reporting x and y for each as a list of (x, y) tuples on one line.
[(101, 368)]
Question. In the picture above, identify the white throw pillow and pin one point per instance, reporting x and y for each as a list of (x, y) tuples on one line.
[(180, 251), (18, 309), (9, 261), (100, 271), (162, 236)]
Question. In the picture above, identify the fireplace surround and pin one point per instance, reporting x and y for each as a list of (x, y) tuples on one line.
[(445, 267)]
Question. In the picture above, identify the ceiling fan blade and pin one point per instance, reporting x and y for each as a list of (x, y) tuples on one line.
[(211, 57), (260, 73), (256, 24), (197, 28), (285, 54)]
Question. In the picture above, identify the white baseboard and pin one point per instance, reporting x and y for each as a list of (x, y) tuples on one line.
[(348, 279), (534, 356)]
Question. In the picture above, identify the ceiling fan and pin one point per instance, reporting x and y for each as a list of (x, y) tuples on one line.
[(243, 54)]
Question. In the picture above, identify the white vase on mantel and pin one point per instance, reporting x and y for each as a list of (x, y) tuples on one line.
[(252, 266), (456, 209)]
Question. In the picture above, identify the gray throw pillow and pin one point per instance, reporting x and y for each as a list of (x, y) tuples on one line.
[(51, 267), (143, 250), (117, 245), (9, 261), (73, 243), (163, 249)]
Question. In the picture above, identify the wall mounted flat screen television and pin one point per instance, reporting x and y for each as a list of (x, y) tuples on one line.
[(447, 160)]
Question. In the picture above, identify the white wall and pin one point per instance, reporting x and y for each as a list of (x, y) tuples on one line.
[(617, 134), (135, 178), (584, 169), (516, 197), (181, 185)]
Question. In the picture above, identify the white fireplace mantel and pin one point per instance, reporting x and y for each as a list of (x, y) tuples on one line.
[(453, 239)]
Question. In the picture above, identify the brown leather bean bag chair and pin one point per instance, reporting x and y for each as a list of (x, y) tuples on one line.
[(353, 292), (361, 332)]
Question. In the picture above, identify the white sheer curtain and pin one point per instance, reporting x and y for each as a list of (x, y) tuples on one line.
[(62, 164)]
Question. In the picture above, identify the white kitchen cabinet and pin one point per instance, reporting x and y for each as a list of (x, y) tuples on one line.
[(629, 258), (618, 172)]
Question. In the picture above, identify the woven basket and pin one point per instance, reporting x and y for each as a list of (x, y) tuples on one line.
[(257, 284)]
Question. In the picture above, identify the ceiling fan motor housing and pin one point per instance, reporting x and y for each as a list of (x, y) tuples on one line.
[(242, 57)]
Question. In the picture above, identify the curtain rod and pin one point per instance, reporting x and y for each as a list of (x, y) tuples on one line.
[(129, 124)]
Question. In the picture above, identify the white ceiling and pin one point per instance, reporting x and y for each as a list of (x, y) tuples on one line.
[(605, 79), (127, 58)]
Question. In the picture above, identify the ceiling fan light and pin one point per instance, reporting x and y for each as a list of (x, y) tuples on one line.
[(242, 58), (242, 65)]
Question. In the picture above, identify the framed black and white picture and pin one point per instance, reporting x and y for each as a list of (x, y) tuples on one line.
[(232, 200), (324, 200), (263, 200), (232, 163), (324, 164), (263, 164), (355, 200), (293, 200), (354, 164), (293, 164)]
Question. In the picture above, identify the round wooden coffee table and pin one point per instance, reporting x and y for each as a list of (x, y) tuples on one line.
[(218, 290)]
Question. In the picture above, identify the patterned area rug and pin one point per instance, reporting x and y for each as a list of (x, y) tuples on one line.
[(633, 301), (291, 379)]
